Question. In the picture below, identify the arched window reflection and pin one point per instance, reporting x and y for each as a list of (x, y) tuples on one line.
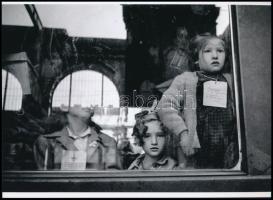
[(87, 88), (12, 92)]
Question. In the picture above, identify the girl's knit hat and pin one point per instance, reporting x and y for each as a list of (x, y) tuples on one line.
[(148, 114)]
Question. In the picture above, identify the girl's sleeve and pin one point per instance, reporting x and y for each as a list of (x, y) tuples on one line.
[(171, 104)]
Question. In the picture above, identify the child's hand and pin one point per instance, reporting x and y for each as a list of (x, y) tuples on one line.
[(185, 142)]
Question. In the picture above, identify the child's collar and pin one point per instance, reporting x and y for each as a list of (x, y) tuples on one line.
[(207, 76)]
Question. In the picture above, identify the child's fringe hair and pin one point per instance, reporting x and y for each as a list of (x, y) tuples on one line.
[(140, 129)]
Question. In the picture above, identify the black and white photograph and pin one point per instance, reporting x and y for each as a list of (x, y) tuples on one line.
[(136, 99)]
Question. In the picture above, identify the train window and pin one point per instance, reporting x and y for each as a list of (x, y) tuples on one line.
[(143, 97), (144, 136)]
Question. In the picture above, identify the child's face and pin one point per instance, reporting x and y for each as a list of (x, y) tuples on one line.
[(154, 139), (212, 56), (81, 112)]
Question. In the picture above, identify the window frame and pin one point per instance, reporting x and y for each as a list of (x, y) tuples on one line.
[(149, 175)]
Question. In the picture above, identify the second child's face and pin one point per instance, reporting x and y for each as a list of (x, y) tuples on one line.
[(154, 140), (212, 56), (81, 112)]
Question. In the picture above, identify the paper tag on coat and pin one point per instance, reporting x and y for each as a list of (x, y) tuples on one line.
[(215, 94), (73, 160)]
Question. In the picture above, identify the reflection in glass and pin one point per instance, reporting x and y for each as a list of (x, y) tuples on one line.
[(12, 93), (158, 51)]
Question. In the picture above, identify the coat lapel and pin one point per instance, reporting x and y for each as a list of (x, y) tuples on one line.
[(93, 142), (66, 141), (93, 138)]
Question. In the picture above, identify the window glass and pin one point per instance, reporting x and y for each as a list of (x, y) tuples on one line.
[(72, 16), (15, 15), (12, 93), (166, 100), (87, 88), (61, 94)]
